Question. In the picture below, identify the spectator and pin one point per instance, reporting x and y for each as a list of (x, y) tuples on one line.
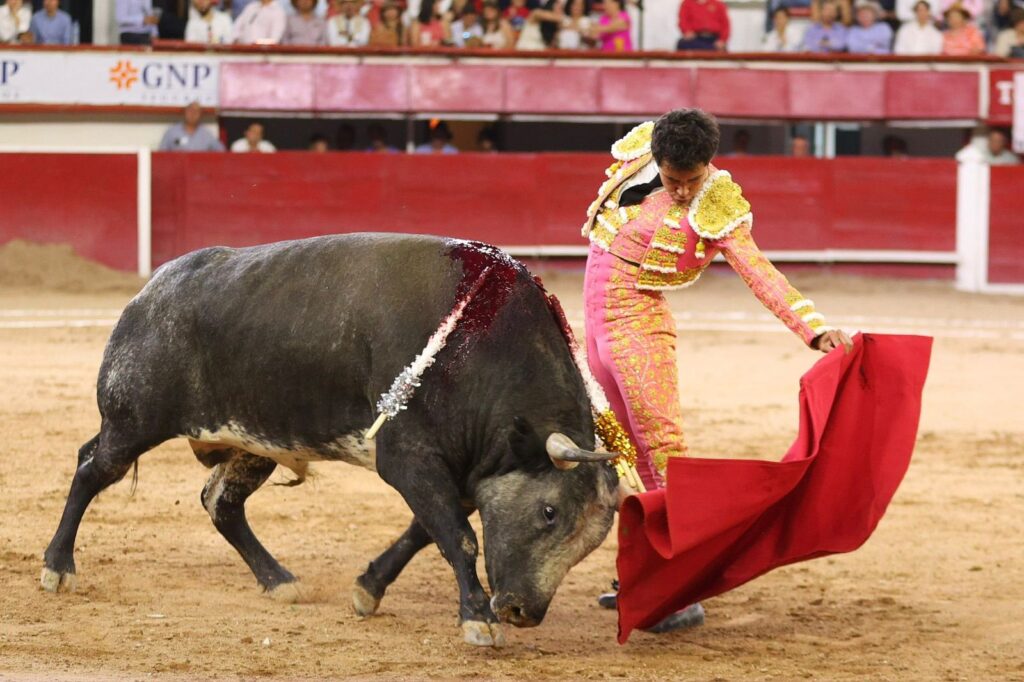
[(429, 29), (466, 31), (869, 35), (252, 140), (516, 14), (189, 135), (440, 141), (306, 28), (318, 143), (704, 25), (207, 25), (1003, 14), (487, 140), (15, 22), (785, 36), (541, 27), (800, 147), (740, 143), (136, 21), (975, 8), (348, 28), (894, 147), (1010, 42), (576, 26), (961, 38), (51, 25), (498, 32), (919, 37), (379, 140), (346, 138), (613, 30), (827, 35), (997, 149), (262, 22), (390, 32)]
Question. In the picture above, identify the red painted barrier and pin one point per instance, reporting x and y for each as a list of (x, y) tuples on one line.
[(86, 200), (1006, 226)]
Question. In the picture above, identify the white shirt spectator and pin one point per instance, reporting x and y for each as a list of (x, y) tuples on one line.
[(213, 29), (12, 25), (792, 40), (570, 35), (915, 39), (260, 23), (242, 145), (344, 31)]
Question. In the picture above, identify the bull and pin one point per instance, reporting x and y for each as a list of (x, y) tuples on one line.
[(275, 355)]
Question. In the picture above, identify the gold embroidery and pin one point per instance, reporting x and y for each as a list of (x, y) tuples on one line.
[(635, 144), (719, 207)]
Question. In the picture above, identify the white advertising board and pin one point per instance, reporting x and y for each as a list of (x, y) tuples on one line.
[(1018, 112), (107, 78)]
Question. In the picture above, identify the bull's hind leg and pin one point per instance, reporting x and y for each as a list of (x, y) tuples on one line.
[(382, 571), (233, 480), (102, 461)]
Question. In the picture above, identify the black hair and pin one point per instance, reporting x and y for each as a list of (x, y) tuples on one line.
[(685, 139), (427, 11)]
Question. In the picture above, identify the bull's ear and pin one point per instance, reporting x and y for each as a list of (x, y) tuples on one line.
[(526, 444)]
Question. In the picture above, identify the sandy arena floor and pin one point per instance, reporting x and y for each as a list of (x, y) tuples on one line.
[(937, 593)]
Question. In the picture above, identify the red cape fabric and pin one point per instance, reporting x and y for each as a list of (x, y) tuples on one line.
[(723, 522)]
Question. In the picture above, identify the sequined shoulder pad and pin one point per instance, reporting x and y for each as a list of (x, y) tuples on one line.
[(719, 207), (635, 144)]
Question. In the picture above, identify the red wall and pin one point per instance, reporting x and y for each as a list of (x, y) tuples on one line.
[(1006, 226), (87, 200)]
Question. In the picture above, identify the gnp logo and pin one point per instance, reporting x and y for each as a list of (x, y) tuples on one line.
[(158, 75), (8, 67)]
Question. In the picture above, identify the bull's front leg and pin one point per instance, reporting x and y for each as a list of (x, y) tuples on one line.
[(427, 485)]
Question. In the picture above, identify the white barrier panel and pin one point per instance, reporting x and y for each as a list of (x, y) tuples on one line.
[(1018, 113), (108, 78)]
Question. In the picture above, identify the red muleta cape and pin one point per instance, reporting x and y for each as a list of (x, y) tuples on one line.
[(723, 522)]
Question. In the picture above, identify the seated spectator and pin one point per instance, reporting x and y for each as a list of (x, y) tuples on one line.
[(487, 140), (997, 149), (318, 143), (516, 14), (498, 32), (785, 36), (262, 22), (207, 24), (894, 147), (961, 38), (136, 21), (827, 35), (919, 37), (740, 143), (612, 31), (800, 147), (51, 25), (1003, 14), (349, 28), (379, 140), (189, 135), (467, 31), (541, 27), (252, 140), (975, 8), (440, 141), (869, 35), (429, 29), (574, 32), (15, 22), (1010, 42), (306, 28), (704, 25), (390, 32)]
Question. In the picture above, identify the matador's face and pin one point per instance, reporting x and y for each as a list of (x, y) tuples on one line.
[(683, 185)]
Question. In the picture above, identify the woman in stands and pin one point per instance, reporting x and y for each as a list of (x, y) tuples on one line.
[(961, 38), (389, 32), (613, 29), (429, 29), (497, 31)]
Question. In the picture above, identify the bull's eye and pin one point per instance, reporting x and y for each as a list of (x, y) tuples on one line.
[(549, 514)]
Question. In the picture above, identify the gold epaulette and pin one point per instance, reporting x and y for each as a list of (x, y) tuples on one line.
[(719, 207)]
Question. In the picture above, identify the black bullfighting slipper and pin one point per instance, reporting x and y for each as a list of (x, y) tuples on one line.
[(690, 617)]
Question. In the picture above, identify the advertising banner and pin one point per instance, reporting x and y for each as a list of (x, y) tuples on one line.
[(107, 78)]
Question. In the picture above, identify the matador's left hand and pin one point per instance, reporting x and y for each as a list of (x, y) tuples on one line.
[(832, 339)]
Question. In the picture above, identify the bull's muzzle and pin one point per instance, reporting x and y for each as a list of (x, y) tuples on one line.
[(510, 609), (566, 455)]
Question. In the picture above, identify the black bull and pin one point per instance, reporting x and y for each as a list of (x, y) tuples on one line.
[(277, 355)]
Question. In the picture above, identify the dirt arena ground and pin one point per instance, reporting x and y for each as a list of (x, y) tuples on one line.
[(937, 593)]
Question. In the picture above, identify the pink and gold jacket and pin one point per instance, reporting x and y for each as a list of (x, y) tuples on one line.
[(673, 244)]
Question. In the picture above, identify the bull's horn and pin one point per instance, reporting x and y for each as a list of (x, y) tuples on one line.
[(566, 455)]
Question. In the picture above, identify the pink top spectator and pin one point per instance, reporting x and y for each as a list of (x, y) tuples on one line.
[(966, 41), (620, 41)]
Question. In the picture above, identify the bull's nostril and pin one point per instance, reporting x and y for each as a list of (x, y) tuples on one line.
[(517, 612)]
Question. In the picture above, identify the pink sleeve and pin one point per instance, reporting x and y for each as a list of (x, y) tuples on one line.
[(770, 286)]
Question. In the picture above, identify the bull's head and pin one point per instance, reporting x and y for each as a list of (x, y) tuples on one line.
[(541, 519)]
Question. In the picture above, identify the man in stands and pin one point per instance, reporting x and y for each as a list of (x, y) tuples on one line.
[(828, 34), (51, 25), (189, 135), (440, 140), (919, 37), (305, 27), (207, 24), (869, 35), (136, 21), (997, 150), (252, 140), (262, 22), (704, 25)]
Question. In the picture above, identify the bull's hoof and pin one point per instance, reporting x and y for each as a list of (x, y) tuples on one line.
[(364, 603), (479, 633), (286, 593), (52, 581)]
